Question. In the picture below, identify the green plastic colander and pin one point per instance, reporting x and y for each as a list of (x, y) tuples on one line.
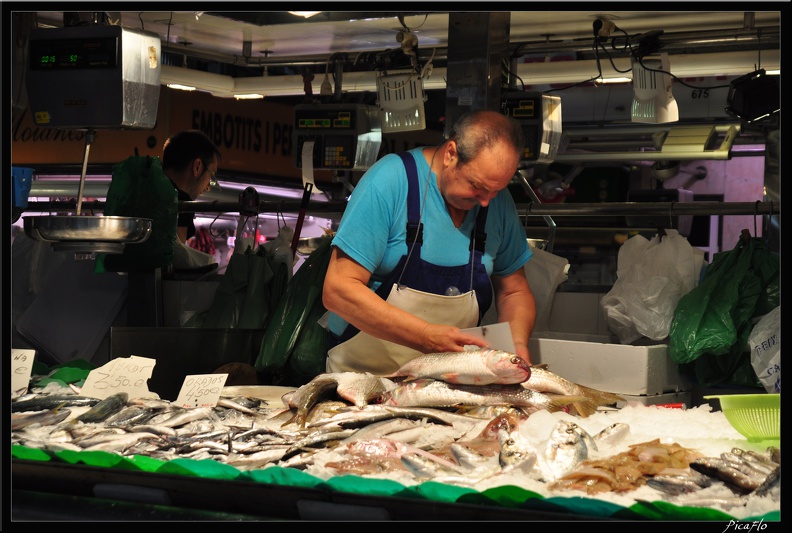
[(756, 416)]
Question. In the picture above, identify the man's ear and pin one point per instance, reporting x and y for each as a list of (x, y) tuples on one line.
[(450, 156), (197, 167)]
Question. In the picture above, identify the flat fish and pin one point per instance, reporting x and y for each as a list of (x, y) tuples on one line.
[(516, 452), (436, 393), (566, 449), (469, 367)]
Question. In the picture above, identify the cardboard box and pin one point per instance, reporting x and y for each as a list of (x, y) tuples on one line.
[(595, 361)]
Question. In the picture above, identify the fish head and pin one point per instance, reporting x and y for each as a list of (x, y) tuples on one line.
[(510, 367), (506, 421)]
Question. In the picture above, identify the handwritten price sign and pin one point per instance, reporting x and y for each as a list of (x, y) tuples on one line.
[(125, 374), (21, 367), (201, 390)]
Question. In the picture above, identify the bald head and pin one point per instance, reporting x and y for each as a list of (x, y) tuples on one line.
[(477, 131)]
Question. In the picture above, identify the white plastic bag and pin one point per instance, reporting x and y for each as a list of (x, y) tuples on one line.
[(765, 343), (651, 277), (545, 272)]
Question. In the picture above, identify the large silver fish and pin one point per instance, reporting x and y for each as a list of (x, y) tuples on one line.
[(435, 393), (469, 367)]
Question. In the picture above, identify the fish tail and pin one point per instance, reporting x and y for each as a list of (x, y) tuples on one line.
[(585, 408), (558, 402), (601, 397)]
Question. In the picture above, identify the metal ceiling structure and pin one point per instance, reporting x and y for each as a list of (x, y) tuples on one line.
[(275, 43)]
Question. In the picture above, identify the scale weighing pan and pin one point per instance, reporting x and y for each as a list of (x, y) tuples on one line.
[(88, 228), (88, 234)]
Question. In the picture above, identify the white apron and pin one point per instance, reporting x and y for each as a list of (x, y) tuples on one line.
[(365, 353)]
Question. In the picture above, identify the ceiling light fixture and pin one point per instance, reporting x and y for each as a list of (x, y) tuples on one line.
[(653, 101), (249, 96)]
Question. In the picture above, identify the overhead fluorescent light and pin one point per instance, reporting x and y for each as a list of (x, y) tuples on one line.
[(181, 87), (249, 96), (305, 14), (653, 101), (616, 80)]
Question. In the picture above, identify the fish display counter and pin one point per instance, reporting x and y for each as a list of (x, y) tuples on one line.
[(350, 446)]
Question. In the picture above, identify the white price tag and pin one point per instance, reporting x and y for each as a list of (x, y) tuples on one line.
[(21, 367), (124, 374), (201, 390), (499, 336), (307, 166)]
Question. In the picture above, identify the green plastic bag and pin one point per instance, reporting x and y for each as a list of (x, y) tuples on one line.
[(712, 322), (248, 294), (294, 311), (308, 358), (139, 188)]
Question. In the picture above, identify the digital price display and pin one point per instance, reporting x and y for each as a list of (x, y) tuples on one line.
[(74, 54)]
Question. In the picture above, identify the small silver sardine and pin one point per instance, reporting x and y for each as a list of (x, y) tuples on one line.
[(43, 418), (467, 457), (423, 467), (612, 434), (469, 367), (130, 415), (181, 417), (716, 467), (679, 484)]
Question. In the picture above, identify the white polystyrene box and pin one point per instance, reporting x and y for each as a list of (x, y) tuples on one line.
[(592, 361)]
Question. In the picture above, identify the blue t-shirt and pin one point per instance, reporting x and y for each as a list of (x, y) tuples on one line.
[(373, 228)]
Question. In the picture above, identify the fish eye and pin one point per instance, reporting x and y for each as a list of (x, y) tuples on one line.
[(516, 359)]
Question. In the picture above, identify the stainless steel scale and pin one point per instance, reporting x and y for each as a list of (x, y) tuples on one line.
[(87, 78)]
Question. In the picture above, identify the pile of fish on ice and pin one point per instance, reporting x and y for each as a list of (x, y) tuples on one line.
[(480, 418)]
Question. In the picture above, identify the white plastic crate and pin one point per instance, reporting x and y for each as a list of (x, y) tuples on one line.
[(400, 97), (593, 361)]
